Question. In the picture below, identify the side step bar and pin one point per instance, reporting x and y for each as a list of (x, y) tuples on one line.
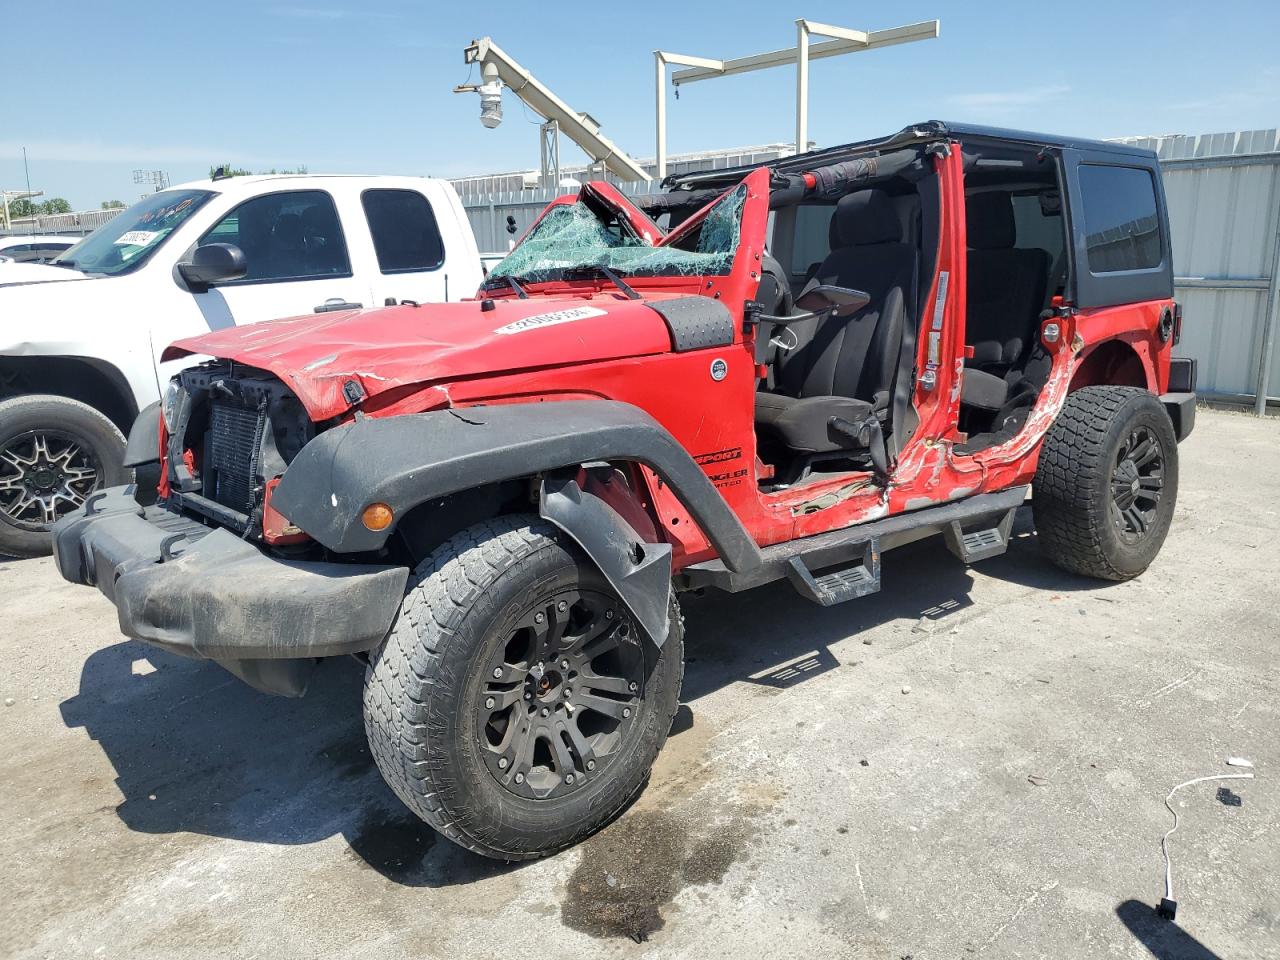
[(980, 544), (837, 586), (847, 561)]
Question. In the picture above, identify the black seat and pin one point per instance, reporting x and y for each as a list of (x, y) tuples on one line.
[(840, 371), (1006, 285)]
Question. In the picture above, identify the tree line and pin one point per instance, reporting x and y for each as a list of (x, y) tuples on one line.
[(25, 207)]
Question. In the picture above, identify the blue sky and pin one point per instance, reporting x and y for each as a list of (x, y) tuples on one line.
[(346, 87)]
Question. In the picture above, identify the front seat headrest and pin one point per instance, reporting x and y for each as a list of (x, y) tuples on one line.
[(863, 218), (989, 221)]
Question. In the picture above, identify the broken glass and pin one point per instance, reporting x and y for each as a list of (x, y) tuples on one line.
[(571, 236)]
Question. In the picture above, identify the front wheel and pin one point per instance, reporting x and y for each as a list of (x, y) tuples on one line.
[(54, 452), (516, 706), (1107, 482)]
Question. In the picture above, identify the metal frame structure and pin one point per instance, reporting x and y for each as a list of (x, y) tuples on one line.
[(841, 40), (8, 195), (498, 68), (549, 153)]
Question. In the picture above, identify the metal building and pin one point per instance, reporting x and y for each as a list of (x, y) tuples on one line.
[(1223, 191), (1224, 206)]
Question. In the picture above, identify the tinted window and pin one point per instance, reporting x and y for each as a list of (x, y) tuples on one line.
[(404, 230), (811, 241), (1122, 226), (286, 236)]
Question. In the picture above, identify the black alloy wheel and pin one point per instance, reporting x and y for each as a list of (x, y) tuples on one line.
[(561, 693), (1136, 483)]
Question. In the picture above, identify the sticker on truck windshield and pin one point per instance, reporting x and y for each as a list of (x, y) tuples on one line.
[(550, 319), (137, 237)]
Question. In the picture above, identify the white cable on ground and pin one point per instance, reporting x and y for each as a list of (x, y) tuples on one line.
[(1164, 842)]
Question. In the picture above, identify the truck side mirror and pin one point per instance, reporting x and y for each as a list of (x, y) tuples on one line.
[(213, 263)]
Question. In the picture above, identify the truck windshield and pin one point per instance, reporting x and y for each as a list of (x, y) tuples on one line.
[(572, 236), (124, 242)]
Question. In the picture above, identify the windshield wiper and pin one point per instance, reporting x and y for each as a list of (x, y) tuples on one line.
[(63, 263), (509, 281), (596, 269)]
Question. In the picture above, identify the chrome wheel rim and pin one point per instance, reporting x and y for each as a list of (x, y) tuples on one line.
[(45, 474)]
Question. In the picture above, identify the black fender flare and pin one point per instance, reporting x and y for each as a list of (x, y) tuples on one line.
[(143, 445), (638, 569), (406, 460)]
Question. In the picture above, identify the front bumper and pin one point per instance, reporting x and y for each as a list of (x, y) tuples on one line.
[(206, 593)]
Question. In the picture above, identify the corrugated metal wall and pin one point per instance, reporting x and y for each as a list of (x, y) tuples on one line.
[(1224, 209)]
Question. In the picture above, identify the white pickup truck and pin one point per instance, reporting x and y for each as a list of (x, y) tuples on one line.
[(80, 340)]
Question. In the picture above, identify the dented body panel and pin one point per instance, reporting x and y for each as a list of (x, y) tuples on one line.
[(415, 404)]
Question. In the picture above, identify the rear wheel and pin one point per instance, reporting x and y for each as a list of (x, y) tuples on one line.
[(1107, 482), (54, 452), (516, 706)]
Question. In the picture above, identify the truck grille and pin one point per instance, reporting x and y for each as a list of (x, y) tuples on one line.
[(231, 469)]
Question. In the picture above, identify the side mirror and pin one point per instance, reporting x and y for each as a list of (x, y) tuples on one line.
[(840, 300), (213, 263)]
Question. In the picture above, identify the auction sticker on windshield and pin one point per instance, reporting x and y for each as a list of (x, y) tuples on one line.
[(137, 237), (550, 319)]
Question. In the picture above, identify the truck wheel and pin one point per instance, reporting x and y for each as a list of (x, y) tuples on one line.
[(516, 707), (54, 452), (1106, 483)]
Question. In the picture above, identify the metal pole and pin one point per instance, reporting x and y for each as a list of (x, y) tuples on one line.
[(802, 86), (27, 170), (661, 104), (1269, 328)]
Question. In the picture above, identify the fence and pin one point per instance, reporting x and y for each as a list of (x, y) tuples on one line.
[(77, 224)]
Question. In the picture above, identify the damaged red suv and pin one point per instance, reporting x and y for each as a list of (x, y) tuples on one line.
[(766, 373)]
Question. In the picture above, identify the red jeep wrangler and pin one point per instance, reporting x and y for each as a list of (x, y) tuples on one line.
[(496, 503)]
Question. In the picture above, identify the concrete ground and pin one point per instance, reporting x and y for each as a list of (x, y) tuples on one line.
[(971, 763)]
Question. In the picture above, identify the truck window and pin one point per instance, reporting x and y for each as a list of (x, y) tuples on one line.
[(404, 230), (286, 236), (811, 241), (126, 241), (1121, 222)]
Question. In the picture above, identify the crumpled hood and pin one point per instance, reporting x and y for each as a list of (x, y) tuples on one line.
[(318, 354)]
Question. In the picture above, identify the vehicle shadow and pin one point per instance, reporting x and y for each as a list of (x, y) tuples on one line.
[(774, 637), (1163, 938), (195, 750)]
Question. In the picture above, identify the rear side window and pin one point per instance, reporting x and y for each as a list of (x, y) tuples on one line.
[(1122, 226), (405, 235), (811, 241), (286, 236)]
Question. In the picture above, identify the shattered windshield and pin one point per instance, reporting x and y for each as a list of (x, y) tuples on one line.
[(572, 236)]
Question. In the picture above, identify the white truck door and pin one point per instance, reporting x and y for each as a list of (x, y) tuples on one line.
[(409, 247), (298, 260)]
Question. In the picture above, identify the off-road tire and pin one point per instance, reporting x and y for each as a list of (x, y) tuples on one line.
[(423, 682), (67, 418), (1072, 491)]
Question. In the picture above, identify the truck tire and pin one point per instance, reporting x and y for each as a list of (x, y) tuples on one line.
[(515, 705), (1106, 483), (54, 452)]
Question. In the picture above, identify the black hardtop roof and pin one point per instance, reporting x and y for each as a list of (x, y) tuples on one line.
[(918, 133)]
